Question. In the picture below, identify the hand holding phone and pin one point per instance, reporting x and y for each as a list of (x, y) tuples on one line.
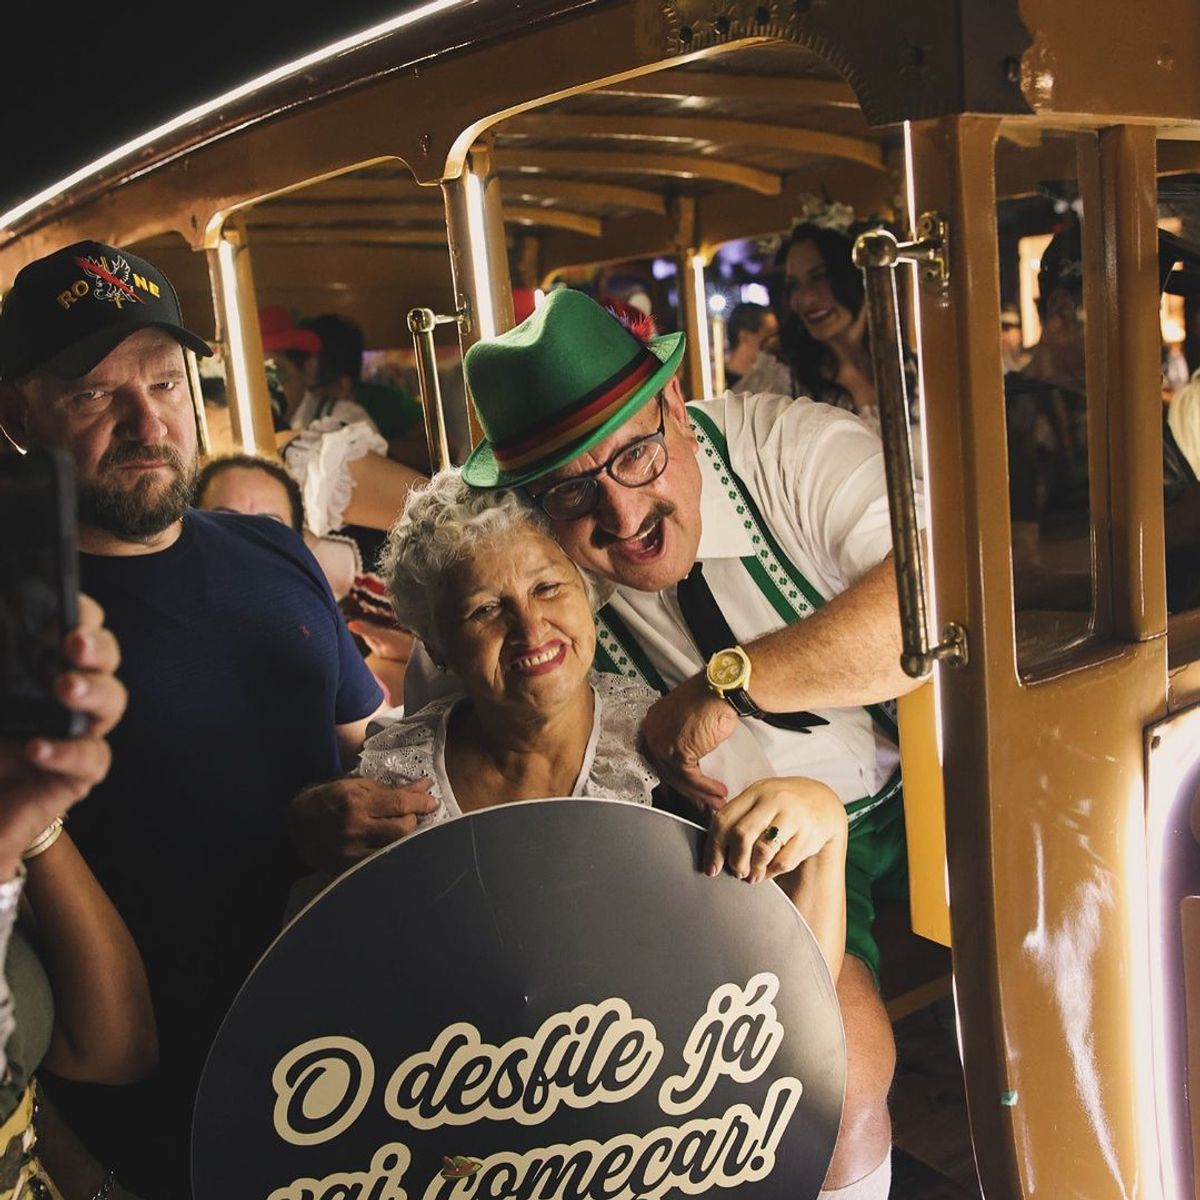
[(41, 777), (59, 694), (38, 592)]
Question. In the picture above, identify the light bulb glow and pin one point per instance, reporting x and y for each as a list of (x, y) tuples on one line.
[(163, 132)]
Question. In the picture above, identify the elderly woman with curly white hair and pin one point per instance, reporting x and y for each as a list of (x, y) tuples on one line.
[(479, 578)]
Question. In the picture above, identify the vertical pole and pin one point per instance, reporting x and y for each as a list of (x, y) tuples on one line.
[(1132, 342), (693, 305), (718, 353), (422, 322), (197, 390), (479, 267), (895, 161), (241, 343), (876, 253)]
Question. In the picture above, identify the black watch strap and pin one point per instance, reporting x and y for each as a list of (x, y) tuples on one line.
[(742, 704), (710, 631)]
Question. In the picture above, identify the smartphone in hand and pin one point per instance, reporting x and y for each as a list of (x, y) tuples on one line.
[(39, 590)]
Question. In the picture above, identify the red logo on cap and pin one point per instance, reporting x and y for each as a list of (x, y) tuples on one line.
[(111, 281)]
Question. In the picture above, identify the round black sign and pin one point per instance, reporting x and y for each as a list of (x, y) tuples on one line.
[(541, 1000)]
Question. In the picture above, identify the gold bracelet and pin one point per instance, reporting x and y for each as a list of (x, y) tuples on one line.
[(44, 840)]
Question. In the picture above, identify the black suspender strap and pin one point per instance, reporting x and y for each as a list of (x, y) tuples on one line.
[(710, 631)]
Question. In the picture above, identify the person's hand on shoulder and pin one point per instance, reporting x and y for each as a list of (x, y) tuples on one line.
[(40, 779), (336, 824), (683, 726)]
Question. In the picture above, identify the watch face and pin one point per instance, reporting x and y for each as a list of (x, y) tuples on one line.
[(727, 668)]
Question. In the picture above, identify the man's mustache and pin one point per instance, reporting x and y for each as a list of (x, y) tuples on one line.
[(141, 452), (660, 510)]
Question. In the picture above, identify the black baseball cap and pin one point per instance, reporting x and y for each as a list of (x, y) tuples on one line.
[(67, 311)]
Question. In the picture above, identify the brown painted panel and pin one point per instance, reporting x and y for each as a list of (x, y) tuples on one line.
[(1044, 782)]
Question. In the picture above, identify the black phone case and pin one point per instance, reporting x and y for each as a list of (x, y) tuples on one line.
[(39, 590)]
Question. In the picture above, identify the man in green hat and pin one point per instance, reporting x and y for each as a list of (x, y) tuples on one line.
[(749, 542)]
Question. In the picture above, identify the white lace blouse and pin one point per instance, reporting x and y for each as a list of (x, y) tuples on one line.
[(612, 767)]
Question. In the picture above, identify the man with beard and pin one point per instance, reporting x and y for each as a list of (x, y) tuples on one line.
[(244, 683)]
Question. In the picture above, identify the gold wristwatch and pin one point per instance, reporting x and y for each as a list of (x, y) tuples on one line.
[(728, 675)]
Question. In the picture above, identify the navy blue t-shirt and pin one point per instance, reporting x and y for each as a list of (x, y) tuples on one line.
[(239, 667)]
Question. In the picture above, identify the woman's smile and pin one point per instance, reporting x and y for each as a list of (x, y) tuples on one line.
[(814, 316), (541, 661)]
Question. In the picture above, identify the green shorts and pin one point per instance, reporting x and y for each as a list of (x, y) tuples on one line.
[(876, 863)]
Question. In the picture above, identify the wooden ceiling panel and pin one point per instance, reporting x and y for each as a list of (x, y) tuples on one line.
[(599, 170), (648, 166), (682, 131)]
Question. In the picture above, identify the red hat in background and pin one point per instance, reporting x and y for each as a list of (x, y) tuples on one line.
[(280, 331), (524, 302)]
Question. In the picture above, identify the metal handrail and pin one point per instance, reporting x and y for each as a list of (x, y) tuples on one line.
[(422, 322), (876, 253)]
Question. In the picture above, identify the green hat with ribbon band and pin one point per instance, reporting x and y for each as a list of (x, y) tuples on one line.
[(555, 385)]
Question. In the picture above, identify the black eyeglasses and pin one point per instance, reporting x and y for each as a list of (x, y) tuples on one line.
[(633, 466)]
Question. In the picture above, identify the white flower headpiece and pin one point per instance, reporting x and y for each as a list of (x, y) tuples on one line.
[(812, 210), (824, 213)]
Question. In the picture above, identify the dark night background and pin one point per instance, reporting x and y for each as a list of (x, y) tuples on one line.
[(80, 80)]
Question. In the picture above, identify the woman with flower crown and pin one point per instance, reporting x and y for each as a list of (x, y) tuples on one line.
[(823, 343)]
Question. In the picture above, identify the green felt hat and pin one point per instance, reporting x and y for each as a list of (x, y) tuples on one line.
[(555, 385)]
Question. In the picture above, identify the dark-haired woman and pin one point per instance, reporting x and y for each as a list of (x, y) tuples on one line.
[(823, 341)]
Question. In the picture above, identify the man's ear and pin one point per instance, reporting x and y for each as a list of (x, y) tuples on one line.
[(677, 408), (14, 416), (676, 404)]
